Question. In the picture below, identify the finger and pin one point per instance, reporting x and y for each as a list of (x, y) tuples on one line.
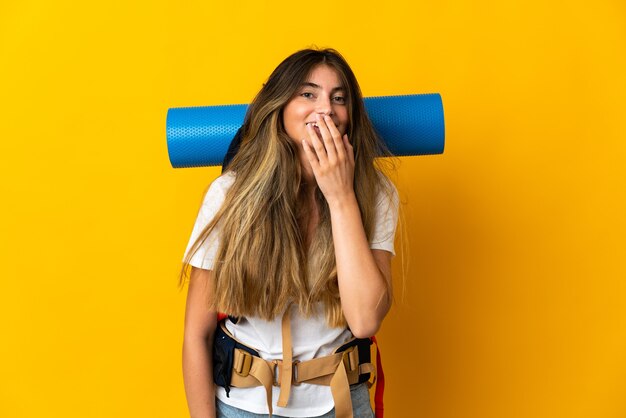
[(329, 143), (310, 155), (316, 145), (336, 136), (349, 148)]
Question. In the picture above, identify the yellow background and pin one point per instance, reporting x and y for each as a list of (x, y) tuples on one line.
[(514, 301)]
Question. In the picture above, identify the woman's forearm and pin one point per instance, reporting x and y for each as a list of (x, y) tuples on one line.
[(363, 279), (200, 325), (198, 377)]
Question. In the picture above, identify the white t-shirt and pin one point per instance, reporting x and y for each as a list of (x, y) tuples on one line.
[(311, 337)]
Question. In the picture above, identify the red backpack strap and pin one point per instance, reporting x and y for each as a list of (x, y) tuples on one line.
[(380, 383)]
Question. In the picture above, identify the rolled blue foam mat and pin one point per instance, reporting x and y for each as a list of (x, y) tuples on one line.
[(409, 125)]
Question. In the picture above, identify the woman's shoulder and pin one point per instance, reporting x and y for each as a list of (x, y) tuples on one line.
[(387, 191), (224, 181), (216, 193), (220, 185)]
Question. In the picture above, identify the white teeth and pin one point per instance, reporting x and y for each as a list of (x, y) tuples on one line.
[(312, 123)]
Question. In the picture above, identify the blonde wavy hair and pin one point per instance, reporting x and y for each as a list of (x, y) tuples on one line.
[(262, 262)]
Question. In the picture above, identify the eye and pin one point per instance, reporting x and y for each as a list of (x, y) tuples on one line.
[(307, 95), (339, 99)]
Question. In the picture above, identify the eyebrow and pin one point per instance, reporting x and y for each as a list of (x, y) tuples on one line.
[(317, 86)]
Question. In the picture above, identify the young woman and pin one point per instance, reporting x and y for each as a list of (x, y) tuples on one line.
[(294, 242)]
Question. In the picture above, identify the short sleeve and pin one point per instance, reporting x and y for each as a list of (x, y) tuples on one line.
[(204, 257), (387, 206)]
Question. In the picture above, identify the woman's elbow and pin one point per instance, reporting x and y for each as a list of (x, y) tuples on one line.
[(364, 333), (367, 322), (365, 328)]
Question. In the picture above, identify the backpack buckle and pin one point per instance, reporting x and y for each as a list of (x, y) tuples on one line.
[(276, 365), (242, 363), (275, 372), (294, 373), (351, 359)]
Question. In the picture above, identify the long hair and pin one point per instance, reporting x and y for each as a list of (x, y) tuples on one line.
[(262, 264)]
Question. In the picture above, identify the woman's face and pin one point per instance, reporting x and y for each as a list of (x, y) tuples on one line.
[(321, 93)]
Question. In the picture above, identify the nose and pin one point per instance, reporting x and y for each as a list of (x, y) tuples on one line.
[(324, 106)]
